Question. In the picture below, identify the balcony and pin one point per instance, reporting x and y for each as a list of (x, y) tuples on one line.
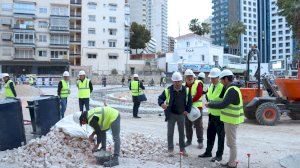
[(75, 53), (5, 21), (75, 2), (75, 40), (75, 15), (59, 30), (23, 26), (75, 28), (6, 36)]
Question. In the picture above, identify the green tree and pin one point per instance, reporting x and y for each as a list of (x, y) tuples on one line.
[(290, 9), (232, 35), (199, 28), (139, 36)]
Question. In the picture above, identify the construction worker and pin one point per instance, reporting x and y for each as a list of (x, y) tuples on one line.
[(85, 88), (195, 88), (176, 102), (102, 119), (201, 76), (232, 114), (9, 87), (215, 126), (31, 80), (63, 91), (136, 88)]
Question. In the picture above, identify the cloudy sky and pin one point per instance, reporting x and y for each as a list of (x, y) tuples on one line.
[(182, 11)]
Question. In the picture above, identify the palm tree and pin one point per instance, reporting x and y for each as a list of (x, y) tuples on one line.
[(232, 35), (199, 29)]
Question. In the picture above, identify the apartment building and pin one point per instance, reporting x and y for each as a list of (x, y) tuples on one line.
[(34, 36), (103, 34)]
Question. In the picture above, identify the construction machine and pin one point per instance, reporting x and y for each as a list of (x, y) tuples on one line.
[(268, 109)]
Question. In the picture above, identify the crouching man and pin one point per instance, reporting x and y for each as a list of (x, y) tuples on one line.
[(102, 119)]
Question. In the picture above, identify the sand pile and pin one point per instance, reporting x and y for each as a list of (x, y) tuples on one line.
[(24, 91)]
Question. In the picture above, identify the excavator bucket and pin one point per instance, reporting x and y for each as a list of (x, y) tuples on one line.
[(249, 93), (289, 88)]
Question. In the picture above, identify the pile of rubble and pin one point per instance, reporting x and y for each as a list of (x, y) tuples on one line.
[(56, 149)]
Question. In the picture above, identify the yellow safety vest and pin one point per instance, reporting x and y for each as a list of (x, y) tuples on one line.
[(167, 95), (8, 91), (84, 88), (65, 90), (106, 115), (135, 88), (31, 80), (233, 114), (214, 97), (194, 92)]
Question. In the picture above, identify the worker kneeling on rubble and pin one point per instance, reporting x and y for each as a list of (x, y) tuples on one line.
[(103, 119)]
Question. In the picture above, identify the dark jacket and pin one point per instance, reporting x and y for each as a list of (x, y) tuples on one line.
[(162, 99)]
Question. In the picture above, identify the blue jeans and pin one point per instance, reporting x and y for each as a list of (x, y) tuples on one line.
[(63, 106), (84, 102)]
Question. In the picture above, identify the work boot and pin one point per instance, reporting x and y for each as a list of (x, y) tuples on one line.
[(184, 153), (227, 165), (200, 145), (113, 162), (188, 143), (171, 152), (205, 155), (137, 117), (217, 158)]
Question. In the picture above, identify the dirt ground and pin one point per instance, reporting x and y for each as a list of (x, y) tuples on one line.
[(266, 144)]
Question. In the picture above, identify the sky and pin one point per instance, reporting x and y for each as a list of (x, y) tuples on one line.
[(180, 12)]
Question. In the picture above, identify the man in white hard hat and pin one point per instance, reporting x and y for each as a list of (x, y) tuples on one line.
[(136, 87), (85, 88), (63, 91), (232, 114), (196, 90), (215, 127), (9, 86), (176, 102)]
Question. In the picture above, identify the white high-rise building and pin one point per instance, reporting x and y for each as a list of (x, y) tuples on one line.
[(249, 18), (154, 15), (103, 35), (281, 38)]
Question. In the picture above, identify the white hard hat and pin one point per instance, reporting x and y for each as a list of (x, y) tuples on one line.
[(214, 73), (189, 72), (81, 72), (135, 75), (176, 77), (194, 114), (66, 73), (201, 75), (76, 117), (5, 75), (226, 72)]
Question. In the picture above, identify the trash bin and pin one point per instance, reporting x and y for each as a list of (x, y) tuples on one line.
[(12, 133), (44, 113)]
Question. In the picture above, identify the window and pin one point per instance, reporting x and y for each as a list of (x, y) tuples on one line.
[(24, 53), (59, 10), (287, 50), (273, 51), (27, 8), (113, 56), (91, 43), (280, 38), (42, 53), (280, 45), (287, 44), (92, 5), (273, 21), (273, 33), (202, 56), (59, 40), (280, 20), (92, 56), (6, 7), (280, 26), (280, 57), (273, 39), (112, 43), (43, 10), (59, 23), (112, 7), (57, 54), (287, 37), (23, 38), (273, 45), (280, 51), (112, 32), (280, 32), (92, 18), (91, 31), (112, 19), (273, 27), (287, 31), (273, 57), (43, 24), (188, 44), (42, 38)]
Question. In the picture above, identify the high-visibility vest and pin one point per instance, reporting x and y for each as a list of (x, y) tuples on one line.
[(214, 97), (8, 91), (84, 88), (106, 115), (65, 90), (135, 88), (233, 114), (198, 103), (167, 95), (31, 80)]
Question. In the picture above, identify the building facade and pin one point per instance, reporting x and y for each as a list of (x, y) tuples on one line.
[(195, 52), (34, 36), (154, 15), (103, 35), (171, 43)]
